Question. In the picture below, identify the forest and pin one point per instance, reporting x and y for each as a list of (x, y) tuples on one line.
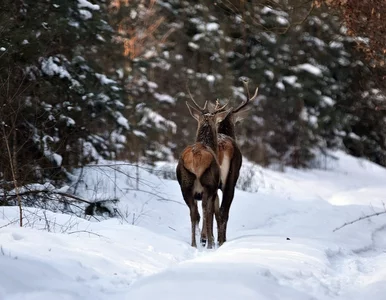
[(82, 81), (192, 149)]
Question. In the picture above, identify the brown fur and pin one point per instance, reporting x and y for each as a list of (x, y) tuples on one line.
[(198, 171), (197, 159), (225, 148)]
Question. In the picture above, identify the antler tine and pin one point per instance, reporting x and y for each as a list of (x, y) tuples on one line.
[(255, 95), (205, 105), (218, 107), (245, 102), (217, 104), (245, 83), (195, 103)]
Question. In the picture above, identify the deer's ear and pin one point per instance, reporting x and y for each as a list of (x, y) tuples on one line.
[(241, 114), (194, 112), (222, 115)]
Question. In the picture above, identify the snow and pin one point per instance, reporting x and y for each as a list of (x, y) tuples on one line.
[(2, 49), (104, 79), (69, 121), (152, 84), (133, 14), (292, 81), (280, 85), (139, 133), (164, 98), (193, 45), (210, 78), (85, 14), (281, 20), (50, 68), (212, 26), (309, 68), (281, 239), (268, 10), (87, 4), (121, 120), (344, 61), (269, 73), (270, 37), (313, 120), (336, 45), (328, 100), (314, 40), (198, 36), (304, 114), (157, 119)]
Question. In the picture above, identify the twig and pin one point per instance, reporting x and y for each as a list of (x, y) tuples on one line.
[(158, 197), (10, 223), (360, 219), (47, 222), (55, 193), (14, 178), (86, 231)]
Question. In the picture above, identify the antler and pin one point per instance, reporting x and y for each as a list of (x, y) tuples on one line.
[(245, 102), (218, 108), (202, 109)]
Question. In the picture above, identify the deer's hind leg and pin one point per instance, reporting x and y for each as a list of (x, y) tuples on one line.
[(204, 235), (186, 180), (209, 220), (210, 180), (216, 208), (194, 219)]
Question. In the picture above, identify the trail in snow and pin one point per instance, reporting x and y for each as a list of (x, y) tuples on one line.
[(281, 243)]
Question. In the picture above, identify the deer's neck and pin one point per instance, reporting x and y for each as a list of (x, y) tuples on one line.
[(207, 135), (227, 127)]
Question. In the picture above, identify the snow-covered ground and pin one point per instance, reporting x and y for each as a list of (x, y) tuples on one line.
[(281, 240)]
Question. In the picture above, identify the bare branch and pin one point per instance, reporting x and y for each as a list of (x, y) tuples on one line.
[(360, 219), (11, 162), (34, 192)]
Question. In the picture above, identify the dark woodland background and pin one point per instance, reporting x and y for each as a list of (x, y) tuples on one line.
[(80, 80)]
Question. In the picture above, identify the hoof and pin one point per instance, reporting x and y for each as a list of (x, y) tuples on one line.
[(220, 243)]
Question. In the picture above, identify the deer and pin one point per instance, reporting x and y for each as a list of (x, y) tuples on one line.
[(230, 159), (198, 169)]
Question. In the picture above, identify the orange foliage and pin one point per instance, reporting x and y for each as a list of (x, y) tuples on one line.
[(366, 20)]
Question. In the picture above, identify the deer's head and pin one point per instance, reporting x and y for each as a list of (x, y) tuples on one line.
[(207, 121), (239, 113), (227, 125)]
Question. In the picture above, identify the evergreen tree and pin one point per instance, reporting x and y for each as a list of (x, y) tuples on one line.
[(59, 109)]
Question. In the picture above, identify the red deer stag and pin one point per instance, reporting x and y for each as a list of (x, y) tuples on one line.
[(230, 160), (198, 171)]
